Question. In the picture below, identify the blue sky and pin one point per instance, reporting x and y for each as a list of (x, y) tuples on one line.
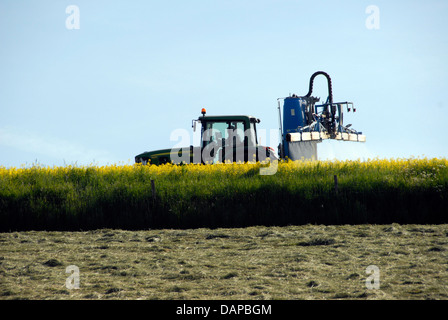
[(135, 71)]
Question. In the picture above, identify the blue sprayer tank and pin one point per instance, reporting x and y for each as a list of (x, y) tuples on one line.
[(294, 116)]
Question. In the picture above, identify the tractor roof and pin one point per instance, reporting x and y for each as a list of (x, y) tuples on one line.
[(228, 117)]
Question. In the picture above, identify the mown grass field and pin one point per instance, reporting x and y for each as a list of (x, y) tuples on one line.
[(291, 262), (227, 195)]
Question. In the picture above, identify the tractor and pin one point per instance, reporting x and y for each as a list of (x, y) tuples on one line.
[(224, 139), (233, 138)]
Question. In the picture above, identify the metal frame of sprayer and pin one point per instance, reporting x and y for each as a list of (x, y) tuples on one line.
[(305, 122)]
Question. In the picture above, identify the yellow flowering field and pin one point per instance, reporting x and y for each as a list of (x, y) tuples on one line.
[(222, 195)]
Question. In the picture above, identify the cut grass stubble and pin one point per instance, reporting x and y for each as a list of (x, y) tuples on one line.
[(295, 262)]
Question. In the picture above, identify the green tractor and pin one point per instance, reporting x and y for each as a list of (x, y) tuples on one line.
[(224, 139)]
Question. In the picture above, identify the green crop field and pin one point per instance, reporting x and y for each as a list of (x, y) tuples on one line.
[(225, 195)]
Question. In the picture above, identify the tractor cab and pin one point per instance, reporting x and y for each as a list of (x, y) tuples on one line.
[(230, 138)]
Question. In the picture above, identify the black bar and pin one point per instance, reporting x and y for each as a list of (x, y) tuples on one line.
[(224, 309)]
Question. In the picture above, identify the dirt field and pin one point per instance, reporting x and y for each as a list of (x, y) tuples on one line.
[(295, 262)]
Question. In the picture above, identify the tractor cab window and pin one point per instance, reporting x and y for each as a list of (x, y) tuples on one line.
[(226, 133)]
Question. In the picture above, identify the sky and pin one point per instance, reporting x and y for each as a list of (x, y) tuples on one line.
[(111, 79)]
